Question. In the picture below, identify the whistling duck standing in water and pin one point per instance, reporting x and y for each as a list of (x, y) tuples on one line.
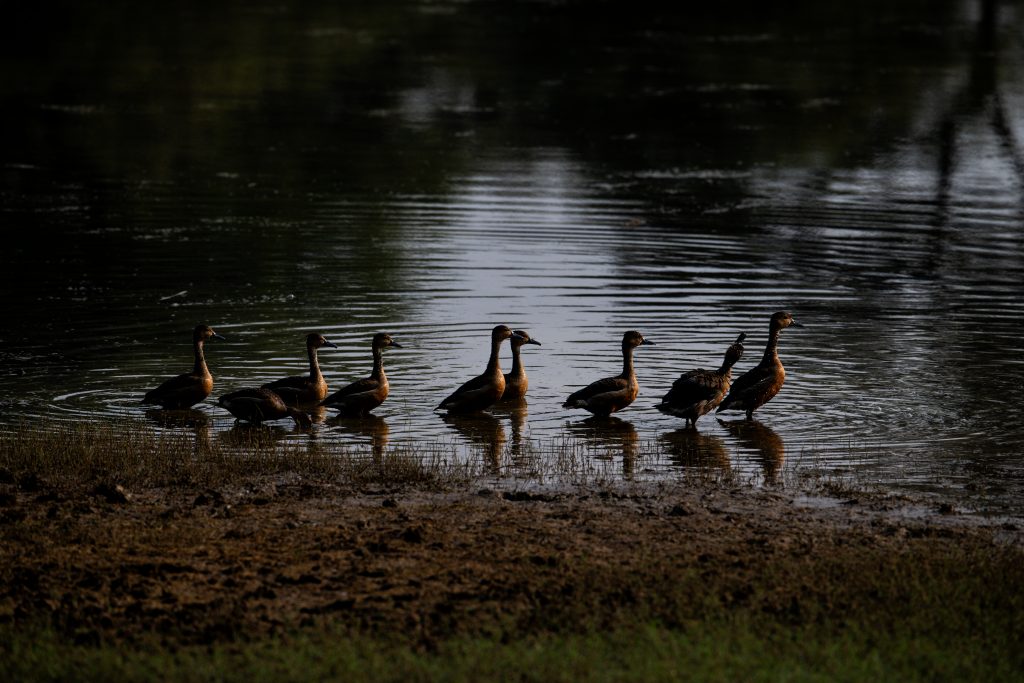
[(184, 391), (757, 386), (606, 396), (363, 395), (516, 382), (698, 392), (301, 390), (260, 405), (484, 391)]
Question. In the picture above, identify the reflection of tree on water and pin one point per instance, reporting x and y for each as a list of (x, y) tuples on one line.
[(483, 430), (689, 448), (608, 437), (762, 439), (369, 426)]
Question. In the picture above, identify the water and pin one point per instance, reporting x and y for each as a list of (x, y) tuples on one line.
[(434, 169)]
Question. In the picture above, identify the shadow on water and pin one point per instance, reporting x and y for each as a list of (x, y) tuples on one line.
[(484, 431), (760, 439), (250, 437), (688, 447), (517, 411), (608, 438), (368, 427)]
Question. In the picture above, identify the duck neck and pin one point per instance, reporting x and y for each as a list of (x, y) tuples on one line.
[(726, 368), (199, 368), (517, 364), (627, 361), (771, 349), (314, 366), (493, 364), (378, 363)]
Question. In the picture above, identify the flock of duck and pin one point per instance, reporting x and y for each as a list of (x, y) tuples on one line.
[(694, 394)]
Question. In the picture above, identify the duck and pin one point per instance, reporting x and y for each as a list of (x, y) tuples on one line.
[(760, 384), (485, 390), (363, 395), (261, 405), (301, 390), (698, 392), (516, 381), (609, 395), (184, 391)]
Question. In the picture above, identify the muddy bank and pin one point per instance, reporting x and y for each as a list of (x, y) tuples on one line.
[(102, 564)]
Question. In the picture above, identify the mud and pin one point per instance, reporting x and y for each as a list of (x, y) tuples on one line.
[(184, 566)]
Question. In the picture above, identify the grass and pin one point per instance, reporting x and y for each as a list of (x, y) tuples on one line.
[(741, 647), (746, 601), (135, 455)]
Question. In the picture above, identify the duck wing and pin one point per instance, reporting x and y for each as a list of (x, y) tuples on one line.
[(601, 386), (360, 386), (474, 385), (173, 390), (695, 386), (750, 383)]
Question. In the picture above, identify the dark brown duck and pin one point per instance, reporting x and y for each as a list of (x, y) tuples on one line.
[(700, 391), (516, 382), (261, 405), (363, 395), (304, 390), (483, 391), (184, 391), (606, 396), (760, 384)]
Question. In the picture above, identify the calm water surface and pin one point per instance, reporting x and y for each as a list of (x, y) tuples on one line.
[(434, 169)]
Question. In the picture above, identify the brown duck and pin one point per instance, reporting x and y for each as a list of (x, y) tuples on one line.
[(301, 390), (484, 391), (261, 405), (184, 391), (516, 382), (757, 386), (363, 395), (606, 396), (698, 392)]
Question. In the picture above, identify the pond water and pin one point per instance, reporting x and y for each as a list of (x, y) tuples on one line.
[(432, 169)]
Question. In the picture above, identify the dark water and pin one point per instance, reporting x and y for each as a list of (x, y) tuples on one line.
[(576, 169)]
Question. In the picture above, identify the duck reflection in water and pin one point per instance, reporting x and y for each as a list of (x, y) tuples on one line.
[(689, 448), (763, 440), (517, 411), (483, 430), (369, 426), (249, 436), (187, 419), (608, 438)]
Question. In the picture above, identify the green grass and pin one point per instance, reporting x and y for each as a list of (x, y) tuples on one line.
[(743, 647), (135, 455)]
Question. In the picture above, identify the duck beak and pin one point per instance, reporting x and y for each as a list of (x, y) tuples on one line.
[(533, 341), (395, 344), (331, 344), (217, 336), (646, 342), (796, 324)]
